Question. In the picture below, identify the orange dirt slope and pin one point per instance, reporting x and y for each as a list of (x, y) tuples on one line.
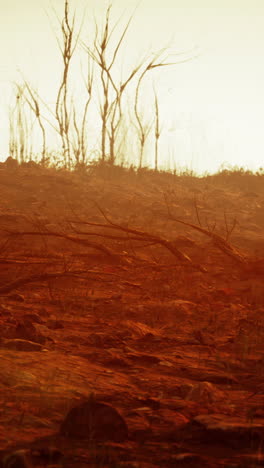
[(140, 295)]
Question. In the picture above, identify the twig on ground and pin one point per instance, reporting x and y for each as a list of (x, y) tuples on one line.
[(219, 241), (139, 235), (7, 288), (76, 240)]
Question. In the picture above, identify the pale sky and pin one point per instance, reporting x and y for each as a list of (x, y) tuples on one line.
[(211, 108)]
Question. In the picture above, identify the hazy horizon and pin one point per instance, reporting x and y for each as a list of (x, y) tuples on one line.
[(211, 107)]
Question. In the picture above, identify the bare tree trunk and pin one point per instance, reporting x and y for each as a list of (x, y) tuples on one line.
[(62, 112), (157, 130)]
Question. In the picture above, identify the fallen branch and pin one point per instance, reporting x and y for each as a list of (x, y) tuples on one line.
[(25, 262), (219, 241), (7, 288), (139, 235), (76, 240)]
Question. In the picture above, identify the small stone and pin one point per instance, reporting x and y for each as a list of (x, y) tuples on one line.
[(27, 331), (205, 392), (94, 420)]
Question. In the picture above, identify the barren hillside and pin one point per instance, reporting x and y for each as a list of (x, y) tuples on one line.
[(138, 300)]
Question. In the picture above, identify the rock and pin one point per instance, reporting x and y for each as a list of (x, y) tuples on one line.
[(27, 331), (96, 421), (205, 392), (167, 424)]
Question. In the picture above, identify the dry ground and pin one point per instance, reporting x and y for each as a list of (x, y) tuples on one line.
[(105, 294)]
